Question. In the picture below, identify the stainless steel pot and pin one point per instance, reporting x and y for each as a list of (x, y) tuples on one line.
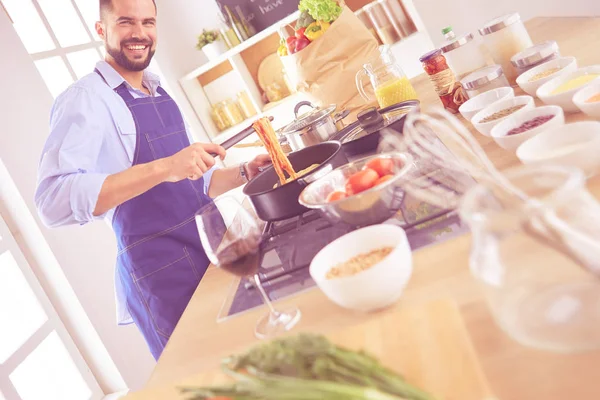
[(312, 128)]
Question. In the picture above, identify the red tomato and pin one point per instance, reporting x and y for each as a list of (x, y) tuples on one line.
[(384, 178), (335, 196), (361, 181), (383, 166)]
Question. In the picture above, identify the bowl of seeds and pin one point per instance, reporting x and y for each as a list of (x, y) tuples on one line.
[(485, 120), (531, 80)]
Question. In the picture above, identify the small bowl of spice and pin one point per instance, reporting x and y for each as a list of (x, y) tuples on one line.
[(560, 90), (364, 270), (516, 129), (485, 120), (588, 100), (531, 80), (481, 101)]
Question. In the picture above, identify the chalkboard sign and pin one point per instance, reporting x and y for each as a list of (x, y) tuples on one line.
[(259, 14)]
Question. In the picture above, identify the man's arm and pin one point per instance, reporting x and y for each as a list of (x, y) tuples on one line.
[(226, 179)]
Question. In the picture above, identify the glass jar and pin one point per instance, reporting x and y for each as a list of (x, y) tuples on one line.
[(218, 116), (463, 53), (536, 293), (383, 26), (364, 18), (399, 15), (245, 104), (484, 79), (446, 86), (388, 9), (504, 37), (232, 112), (535, 55)]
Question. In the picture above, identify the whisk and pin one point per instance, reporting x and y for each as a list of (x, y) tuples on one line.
[(442, 177)]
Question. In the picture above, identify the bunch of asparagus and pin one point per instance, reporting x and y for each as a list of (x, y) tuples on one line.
[(309, 367)]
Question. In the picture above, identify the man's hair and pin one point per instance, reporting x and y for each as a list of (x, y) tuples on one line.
[(106, 5)]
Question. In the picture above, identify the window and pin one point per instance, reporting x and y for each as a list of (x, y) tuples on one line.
[(60, 36)]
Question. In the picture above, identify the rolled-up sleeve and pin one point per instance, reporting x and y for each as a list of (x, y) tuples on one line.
[(68, 178)]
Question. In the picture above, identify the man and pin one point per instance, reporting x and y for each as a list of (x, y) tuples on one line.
[(119, 150)]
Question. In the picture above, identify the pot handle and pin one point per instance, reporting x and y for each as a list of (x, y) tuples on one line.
[(340, 116), (310, 178), (302, 104)]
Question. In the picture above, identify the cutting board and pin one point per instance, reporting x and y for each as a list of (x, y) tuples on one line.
[(429, 345)]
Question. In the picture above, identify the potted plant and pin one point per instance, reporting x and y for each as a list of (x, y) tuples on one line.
[(211, 43)]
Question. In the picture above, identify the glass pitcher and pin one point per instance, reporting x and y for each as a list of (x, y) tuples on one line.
[(537, 294), (390, 84)]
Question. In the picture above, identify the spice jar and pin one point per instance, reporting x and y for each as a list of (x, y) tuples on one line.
[(362, 15), (232, 112), (450, 91), (504, 37), (484, 79), (463, 53), (381, 22), (535, 55)]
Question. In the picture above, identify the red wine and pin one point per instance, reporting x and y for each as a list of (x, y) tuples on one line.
[(240, 258)]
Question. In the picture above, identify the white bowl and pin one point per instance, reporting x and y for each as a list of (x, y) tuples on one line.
[(374, 288), (565, 99), (576, 144), (567, 65), (485, 128), (580, 98), (499, 133), (482, 100)]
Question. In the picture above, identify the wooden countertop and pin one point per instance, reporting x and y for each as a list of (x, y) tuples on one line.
[(440, 272)]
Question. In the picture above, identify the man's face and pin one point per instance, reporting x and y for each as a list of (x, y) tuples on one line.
[(129, 33)]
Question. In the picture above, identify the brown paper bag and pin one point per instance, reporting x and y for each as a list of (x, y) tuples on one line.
[(326, 69)]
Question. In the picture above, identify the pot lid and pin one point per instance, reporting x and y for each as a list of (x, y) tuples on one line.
[(309, 118)]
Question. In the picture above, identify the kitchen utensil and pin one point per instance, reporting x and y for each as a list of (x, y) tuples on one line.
[(237, 138), (375, 288), (281, 202), (483, 100), (565, 65), (485, 128), (314, 127), (390, 83), (538, 296), (363, 136), (565, 99), (423, 134), (231, 238), (582, 100), (512, 142), (370, 207)]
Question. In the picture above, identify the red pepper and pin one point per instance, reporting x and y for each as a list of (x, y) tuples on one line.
[(300, 32), (302, 43), (291, 44)]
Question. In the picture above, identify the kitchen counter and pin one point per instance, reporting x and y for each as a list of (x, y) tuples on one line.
[(440, 272)]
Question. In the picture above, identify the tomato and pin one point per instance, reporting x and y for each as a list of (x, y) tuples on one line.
[(335, 196), (361, 181), (383, 166), (384, 178)]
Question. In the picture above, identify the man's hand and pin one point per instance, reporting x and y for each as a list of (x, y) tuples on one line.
[(254, 167), (191, 162)]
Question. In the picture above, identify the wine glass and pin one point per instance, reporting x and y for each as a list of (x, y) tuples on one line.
[(231, 238)]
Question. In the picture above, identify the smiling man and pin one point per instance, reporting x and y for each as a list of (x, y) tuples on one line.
[(120, 150)]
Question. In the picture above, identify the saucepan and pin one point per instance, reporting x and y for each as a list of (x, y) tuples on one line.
[(314, 127), (274, 202)]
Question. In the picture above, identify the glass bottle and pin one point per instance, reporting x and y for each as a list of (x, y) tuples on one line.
[(537, 294), (446, 86), (236, 25), (463, 53)]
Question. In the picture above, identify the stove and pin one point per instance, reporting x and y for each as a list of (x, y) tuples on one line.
[(290, 246)]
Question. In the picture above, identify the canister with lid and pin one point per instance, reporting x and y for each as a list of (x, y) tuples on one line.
[(382, 23), (484, 79), (535, 55), (463, 53), (362, 15), (504, 37)]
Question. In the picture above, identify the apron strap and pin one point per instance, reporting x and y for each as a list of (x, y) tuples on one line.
[(121, 89)]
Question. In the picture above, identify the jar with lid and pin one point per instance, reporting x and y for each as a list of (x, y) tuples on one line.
[(463, 53), (484, 79), (535, 55), (504, 37), (245, 104), (232, 112), (381, 22), (364, 18), (446, 86), (218, 116)]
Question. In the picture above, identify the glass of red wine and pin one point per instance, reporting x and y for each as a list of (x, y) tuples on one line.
[(231, 237)]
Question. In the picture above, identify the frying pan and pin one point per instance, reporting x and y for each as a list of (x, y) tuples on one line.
[(276, 204)]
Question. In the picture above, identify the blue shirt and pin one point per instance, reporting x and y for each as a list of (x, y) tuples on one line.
[(92, 135)]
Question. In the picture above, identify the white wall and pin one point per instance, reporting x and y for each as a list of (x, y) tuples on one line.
[(86, 254)]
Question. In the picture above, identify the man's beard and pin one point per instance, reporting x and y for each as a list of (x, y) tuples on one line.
[(131, 65)]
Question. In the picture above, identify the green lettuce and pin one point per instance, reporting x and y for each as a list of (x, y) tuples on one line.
[(321, 10)]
